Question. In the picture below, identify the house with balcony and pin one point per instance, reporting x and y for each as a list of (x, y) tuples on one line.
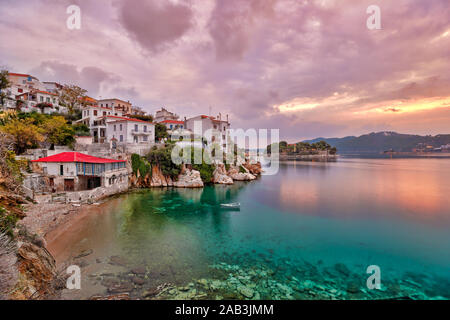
[(164, 114), (75, 171), (215, 126), (129, 130)]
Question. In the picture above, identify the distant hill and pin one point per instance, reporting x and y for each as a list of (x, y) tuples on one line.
[(386, 140)]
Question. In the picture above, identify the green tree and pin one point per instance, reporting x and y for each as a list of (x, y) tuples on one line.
[(160, 131), (58, 132), (71, 97), (25, 134), (4, 84)]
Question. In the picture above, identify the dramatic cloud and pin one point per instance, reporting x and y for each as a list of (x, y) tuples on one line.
[(155, 24), (310, 68)]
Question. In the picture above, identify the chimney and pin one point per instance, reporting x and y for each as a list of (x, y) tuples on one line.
[(220, 116), (227, 117)]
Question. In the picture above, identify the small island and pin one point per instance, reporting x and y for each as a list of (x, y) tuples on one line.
[(317, 151)]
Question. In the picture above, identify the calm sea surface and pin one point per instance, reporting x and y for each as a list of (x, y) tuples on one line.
[(309, 232)]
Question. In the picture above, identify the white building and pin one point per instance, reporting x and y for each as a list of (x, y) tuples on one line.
[(215, 126), (173, 124), (117, 104), (129, 130), (92, 113), (74, 171), (30, 101), (163, 115)]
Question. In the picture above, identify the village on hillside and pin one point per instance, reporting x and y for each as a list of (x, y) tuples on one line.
[(71, 147)]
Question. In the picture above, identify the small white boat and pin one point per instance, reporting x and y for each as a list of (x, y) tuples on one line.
[(230, 205)]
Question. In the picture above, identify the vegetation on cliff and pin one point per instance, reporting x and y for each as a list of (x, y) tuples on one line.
[(31, 130), (302, 148)]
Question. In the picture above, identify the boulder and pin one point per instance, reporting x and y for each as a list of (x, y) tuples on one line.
[(235, 174), (189, 179), (220, 175), (253, 168)]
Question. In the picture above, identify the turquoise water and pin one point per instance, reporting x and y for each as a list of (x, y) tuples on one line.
[(309, 232)]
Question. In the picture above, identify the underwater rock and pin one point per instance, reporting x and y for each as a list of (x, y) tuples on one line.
[(139, 270), (138, 281), (84, 253), (118, 261), (342, 268), (246, 291)]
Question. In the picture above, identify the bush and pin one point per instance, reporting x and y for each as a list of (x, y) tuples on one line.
[(163, 158), (7, 222), (141, 164)]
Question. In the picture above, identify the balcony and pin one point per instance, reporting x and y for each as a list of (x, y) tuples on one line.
[(140, 133)]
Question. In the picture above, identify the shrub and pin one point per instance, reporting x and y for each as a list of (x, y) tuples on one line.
[(7, 222), (163, 158)]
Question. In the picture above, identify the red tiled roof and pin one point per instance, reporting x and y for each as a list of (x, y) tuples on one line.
[(172, 121), (127, 119), (45, 92), (18, 74), (75, 157)]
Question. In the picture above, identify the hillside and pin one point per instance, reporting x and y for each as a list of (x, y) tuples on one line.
[(381, 141)]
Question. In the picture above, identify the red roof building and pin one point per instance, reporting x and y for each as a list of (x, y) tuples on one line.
[(75, 157)]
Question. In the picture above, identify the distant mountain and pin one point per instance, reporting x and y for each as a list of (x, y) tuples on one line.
[(386, 140)]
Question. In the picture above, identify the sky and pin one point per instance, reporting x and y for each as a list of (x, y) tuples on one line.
[(310, 68)]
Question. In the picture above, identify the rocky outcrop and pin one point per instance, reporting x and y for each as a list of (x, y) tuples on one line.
[(37, 269), (254, 168), (8, 268), (220, 175), (236, 174), (158, 179), (189, 179)]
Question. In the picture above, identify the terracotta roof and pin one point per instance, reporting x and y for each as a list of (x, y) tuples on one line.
[(127, 119), (172, 121), (19, 74), (45, 92), (75, 157)]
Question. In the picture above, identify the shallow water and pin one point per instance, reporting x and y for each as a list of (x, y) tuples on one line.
[(309, 232)]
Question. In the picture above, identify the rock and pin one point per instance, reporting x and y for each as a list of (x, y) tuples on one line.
[(118, 261), (253, 168), (37, 268), (189, 179), (122, 296), (120, 288), (235, 174), (342, 268), (139, 270), (84, 253), (220, 175), (150, 293), (245, 291), (353, 287), (138, 281)]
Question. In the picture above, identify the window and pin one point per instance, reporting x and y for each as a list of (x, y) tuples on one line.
[(145, 128), (145, 138), (41, 98), (107, 105), (104, 113), (61, 170), (120, 127), (114, 127), (121, 138), (19, 90), (136, 127), (80, 168), (48, 99), (170, 126), (95, 112)]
